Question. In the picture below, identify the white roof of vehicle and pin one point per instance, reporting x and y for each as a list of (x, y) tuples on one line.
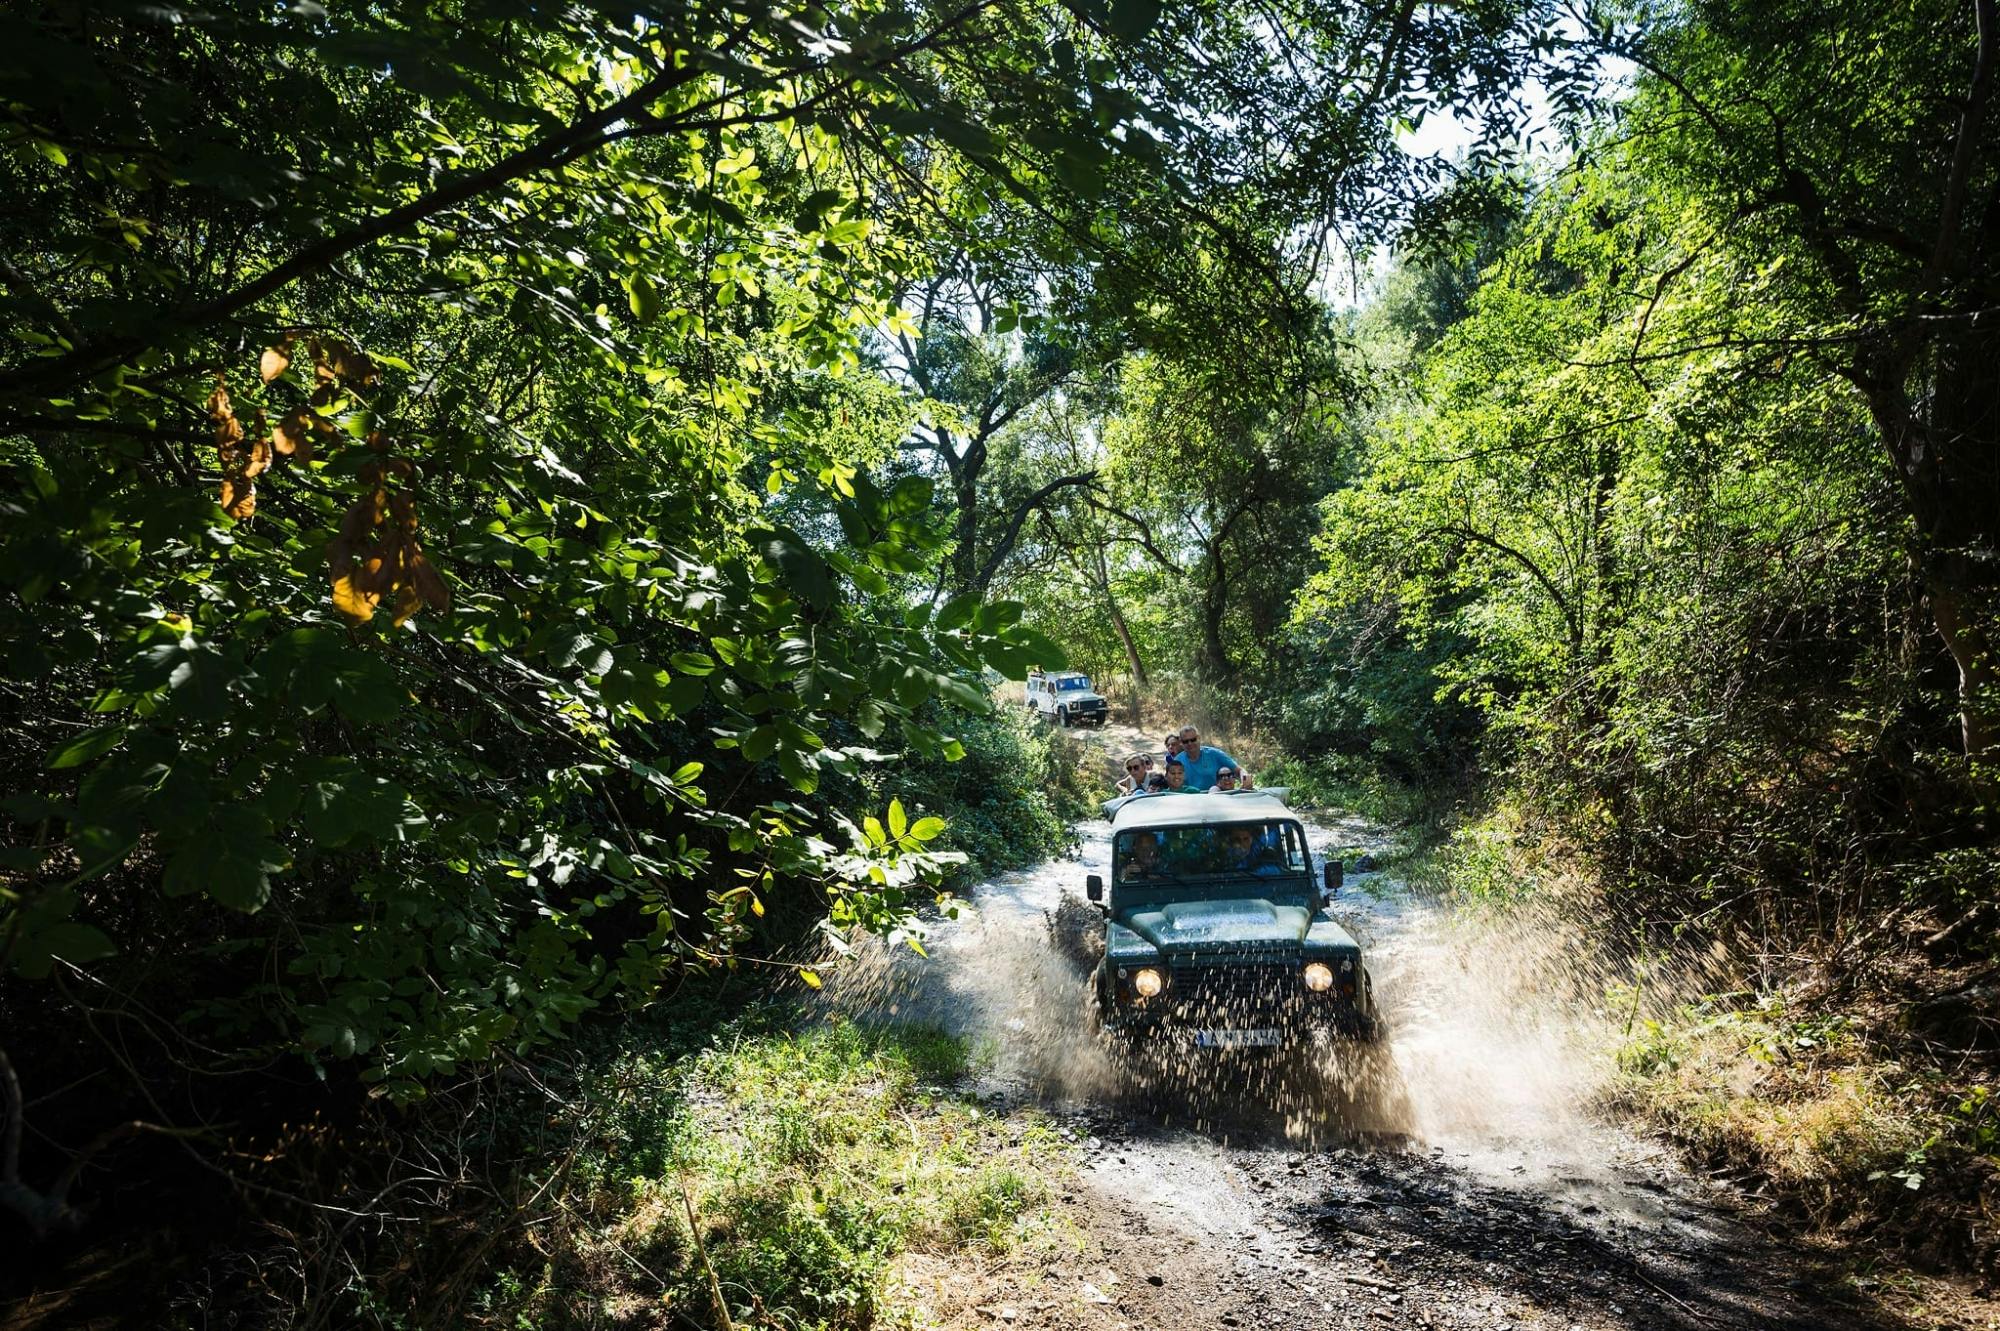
[(1171, 809)]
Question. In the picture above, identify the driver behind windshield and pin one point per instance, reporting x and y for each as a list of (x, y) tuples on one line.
[(1142, 858)]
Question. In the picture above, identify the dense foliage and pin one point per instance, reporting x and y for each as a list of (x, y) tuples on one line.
[(495, 510)]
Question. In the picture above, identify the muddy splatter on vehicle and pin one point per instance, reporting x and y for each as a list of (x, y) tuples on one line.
[(1215, 933)]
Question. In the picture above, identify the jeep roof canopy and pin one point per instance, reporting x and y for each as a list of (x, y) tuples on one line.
[(1210, 809)]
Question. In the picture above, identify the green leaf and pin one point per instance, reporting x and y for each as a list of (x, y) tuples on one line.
[(366, 689), (927, 829), (43, 942), (90, 744), (800, 772), (1133, 19), (684, 693), (76, 942), (958, 611), (644, 300), (899, 822), (343, 804), (230, 858), (760, 743), (799, 566)]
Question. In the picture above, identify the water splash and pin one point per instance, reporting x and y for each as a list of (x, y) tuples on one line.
[(1493, 1054)]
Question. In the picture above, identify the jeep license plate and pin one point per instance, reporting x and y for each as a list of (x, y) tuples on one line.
[(1255, 1039)]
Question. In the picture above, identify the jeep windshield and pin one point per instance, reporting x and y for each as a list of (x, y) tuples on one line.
[(1073, 684), (1210, 862)]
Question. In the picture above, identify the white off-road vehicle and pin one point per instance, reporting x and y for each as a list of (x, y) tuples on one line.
[(1066, 698)]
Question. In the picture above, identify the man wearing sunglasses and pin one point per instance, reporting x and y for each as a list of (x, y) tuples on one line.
[(1201, 761)]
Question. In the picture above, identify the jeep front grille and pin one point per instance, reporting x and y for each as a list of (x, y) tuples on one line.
[(1215, 991)]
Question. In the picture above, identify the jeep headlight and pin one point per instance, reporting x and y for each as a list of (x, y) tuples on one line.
[(1319, 976), (1146, 982)]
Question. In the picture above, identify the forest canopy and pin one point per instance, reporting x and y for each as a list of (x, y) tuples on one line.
[(462, 560)]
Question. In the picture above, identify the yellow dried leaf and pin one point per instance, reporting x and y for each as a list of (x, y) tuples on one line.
[(811, 978), (361, 519), (274, 362), (293, 435), (239, 497), (334, 360), (376, 577), (408, 602), (258, 459), (429, 583), (353, 604)]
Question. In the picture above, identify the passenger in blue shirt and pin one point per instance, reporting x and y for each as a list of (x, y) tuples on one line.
[(1201, 761)]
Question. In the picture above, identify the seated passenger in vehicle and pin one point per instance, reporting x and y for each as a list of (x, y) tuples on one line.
[(1173, 745), (1137, 768), (1201, 761), (1156, 784), (1142, 858), (1250, 853), (1176, 775), (1233, 778)]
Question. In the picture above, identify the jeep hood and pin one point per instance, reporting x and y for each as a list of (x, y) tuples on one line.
[(1193, 926)]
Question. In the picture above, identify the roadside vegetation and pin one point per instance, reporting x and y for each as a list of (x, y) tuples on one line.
[(807, 1159)]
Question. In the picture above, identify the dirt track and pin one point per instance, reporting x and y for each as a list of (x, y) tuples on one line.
[(1483, 1194)]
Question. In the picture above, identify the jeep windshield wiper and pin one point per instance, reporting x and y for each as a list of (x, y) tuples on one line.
[(1156, 876)]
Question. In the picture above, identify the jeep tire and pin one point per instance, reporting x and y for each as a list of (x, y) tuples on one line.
[(1062, 717)]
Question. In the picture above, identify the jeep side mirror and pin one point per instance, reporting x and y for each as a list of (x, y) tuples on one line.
[(1093, 887), (1333, 876)]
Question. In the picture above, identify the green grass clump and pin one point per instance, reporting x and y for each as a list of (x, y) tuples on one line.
[(811, 1160), (1797, 1096)]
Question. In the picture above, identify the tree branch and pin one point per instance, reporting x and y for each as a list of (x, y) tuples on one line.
[(1968, 134), (1478, 537), (1144, 539), (1032, 504)]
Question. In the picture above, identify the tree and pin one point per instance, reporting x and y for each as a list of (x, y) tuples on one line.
[(1218, 487), (977, 373), (1868, 172)]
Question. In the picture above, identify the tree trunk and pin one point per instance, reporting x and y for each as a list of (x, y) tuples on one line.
[(1949, 468), (1215, 665), (1118, 624), (965, 526), (1972, 651)]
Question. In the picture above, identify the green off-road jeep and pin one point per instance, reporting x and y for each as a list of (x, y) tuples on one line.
[(1216, 932)]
